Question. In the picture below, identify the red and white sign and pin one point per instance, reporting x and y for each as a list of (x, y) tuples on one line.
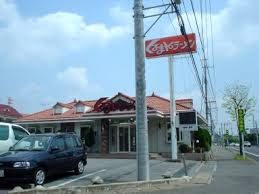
[(172, 45)]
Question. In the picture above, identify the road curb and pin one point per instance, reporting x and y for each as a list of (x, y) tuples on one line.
[(205, 174), (195, 169)]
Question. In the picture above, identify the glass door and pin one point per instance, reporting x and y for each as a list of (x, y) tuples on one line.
[(123, 139), (113, 139)]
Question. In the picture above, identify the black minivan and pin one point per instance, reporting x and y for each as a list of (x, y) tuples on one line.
[(35, 157)]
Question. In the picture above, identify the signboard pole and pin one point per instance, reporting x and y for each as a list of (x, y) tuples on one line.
[(141, 105), (172, 108)]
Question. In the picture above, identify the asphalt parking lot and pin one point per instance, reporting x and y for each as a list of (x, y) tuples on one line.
[(111, 171)]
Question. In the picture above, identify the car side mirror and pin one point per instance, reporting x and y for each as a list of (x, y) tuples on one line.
[(11, 148)]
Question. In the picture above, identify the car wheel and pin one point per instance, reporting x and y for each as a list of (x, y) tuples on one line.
[(39, 176), (80, 167)]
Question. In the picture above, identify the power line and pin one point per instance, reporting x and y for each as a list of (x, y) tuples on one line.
[(171, 21), (196, 22), (195, 75), (183, 31), (201, 10), (188, 20), (212, 41), (206, 27)]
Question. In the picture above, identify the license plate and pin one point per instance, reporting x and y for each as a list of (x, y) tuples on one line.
[(1, 173)]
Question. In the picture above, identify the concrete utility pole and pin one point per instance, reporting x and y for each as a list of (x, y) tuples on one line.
[(257, 138), (206, 92), (172, 109), (141, 106)]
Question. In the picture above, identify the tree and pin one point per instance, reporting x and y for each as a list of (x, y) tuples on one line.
[(236, 96)]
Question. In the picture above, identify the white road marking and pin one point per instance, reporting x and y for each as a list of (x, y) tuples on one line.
[(76, 179), (248, 152)]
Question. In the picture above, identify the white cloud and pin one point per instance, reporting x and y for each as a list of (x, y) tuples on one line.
[(74, 78), (47, 38), (121, 15), (235, 27)]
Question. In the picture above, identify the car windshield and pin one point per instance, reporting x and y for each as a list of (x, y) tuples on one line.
[(32, 143)]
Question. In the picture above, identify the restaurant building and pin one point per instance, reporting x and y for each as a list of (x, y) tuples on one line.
[(107, 125)]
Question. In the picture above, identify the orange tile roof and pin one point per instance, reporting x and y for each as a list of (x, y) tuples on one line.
[(153, 102), (6, 110), (162, 104)]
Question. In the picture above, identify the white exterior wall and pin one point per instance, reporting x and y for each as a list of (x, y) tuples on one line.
[(158, 136)]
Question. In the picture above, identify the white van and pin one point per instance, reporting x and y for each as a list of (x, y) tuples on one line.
[(10, 134)]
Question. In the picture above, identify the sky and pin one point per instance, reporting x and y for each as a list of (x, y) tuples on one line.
[(61, 50)]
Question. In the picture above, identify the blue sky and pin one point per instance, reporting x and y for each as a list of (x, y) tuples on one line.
[(60, 50)]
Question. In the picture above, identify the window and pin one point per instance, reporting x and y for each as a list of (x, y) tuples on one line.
[(78, 142), (4, 132), (32, 130), (80, 109), (70, 142), (38, 143), (58, 143), (19, 133), (179, 134), (58, 110), (168, 134), (48, 130)]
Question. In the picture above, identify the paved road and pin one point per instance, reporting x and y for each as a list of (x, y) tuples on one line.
[(231, 176), (253, 149), (252, 152)]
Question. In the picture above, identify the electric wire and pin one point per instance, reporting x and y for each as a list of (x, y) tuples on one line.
[(183, 31)]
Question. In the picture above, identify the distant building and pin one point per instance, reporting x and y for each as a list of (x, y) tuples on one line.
[(8, 113)]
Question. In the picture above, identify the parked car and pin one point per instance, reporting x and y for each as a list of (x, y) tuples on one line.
[(232, 144), (247, 144), (10, 134), (36, 157), (237, 144)]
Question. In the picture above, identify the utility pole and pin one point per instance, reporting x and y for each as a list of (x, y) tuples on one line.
[(141, 106), (223, 141), (257, 138), (206, 92), (255, 128), (172, 109), (224, 133)]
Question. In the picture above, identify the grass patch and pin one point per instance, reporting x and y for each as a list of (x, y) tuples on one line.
[(239, 157)]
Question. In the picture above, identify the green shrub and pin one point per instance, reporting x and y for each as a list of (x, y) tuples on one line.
[(204, 138), (184, 148)]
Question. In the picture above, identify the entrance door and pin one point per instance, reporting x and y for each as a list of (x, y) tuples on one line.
[(87, 136), (124, 139)]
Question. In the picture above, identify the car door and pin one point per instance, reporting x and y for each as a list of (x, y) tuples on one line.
[(58, 158), (71, 152)]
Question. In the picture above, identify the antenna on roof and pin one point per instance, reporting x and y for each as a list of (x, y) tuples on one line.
[(10, 101)]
